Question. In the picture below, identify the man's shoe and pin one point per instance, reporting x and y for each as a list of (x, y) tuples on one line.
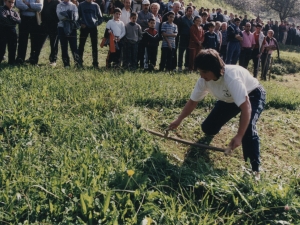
[(179, 69), (52, 64)]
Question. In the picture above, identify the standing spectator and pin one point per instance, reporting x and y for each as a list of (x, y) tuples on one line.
[(170, 5), (49, 27), (253, 25), (116, 27), (219, 35), (234, 37), (285, 32), (259, 41), (9, 18), (212, 15), (132, 37), (118, 4), (210, 37), (155, 9), (162, 7), (196, 40), (137, 5), (195, 12), (248, 44), (226, 17), (204, 23), (275, 28), (223, 50), (29, 25), (243, 22), (67, 14), (267, 50), (126, 12), (89, 18), (219, 17), (281, 31), (184, 33), (169, 33), (266, 28), (142, 20), (298, 35), (151, 40), (178, 15)]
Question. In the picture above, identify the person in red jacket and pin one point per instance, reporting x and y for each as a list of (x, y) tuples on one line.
[(196, 39)]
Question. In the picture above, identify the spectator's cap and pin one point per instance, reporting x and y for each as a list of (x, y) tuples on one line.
[(146, 2), (258, 25)]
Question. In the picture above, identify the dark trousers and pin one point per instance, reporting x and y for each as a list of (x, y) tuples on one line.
[(72, 40), (8, 37), (265, 63), (166, 61), (174, 63), (141, 54), (255, 60), (114, 57), (50, 30), (245, 56), (233, 52), (183, 47), (152, 56), (84, 32), (223, 52), (280, 36), (29, 26), (223, 112), (130, 52)]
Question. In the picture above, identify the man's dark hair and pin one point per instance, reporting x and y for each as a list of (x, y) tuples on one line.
[(258, 25), (237, 20), (133, 14), (170, 13), (204, 14), (209, 60), (189, 7), (211, 24), (151, 19), (117, 10)]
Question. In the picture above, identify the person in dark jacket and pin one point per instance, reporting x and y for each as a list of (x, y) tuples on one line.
[(151, 41), (8, 21), (49, 27), (89, 18), (184, 32), (234, 36), (210, 37)]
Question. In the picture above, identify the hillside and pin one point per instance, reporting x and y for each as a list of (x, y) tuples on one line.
[(74, 151)]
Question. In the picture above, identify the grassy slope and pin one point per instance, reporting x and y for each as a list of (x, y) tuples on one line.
[(69, 136)]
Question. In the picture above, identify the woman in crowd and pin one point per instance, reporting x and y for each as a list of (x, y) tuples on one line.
[(196, 39)]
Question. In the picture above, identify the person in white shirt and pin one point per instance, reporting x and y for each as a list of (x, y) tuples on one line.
[(125, 16), (117, 28), (213, 14), (237, 92)]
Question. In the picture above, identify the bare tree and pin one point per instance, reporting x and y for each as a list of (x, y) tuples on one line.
[(285, 8)]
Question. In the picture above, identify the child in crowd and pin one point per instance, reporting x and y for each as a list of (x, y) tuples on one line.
[(210, 37), (196, 40), (115, 27), (132, 37), (169, 32), (151, 40)]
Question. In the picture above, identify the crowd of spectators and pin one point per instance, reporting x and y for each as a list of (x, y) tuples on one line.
[(135, 31)]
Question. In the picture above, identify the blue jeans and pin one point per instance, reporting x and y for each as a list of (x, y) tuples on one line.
[(233, 52), (223, 112), (72, 39)]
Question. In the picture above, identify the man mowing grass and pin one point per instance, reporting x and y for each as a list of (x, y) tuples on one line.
[(237, 91)]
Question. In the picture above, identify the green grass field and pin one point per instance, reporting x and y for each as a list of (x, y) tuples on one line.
[(70, 140)]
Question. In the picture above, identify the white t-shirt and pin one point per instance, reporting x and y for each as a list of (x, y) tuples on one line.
[(212, 15), (117, 27), (125, 16), (233, 86)]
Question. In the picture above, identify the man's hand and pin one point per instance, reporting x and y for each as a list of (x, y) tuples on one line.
[(174, 124), (170, 47), (235, 142)]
